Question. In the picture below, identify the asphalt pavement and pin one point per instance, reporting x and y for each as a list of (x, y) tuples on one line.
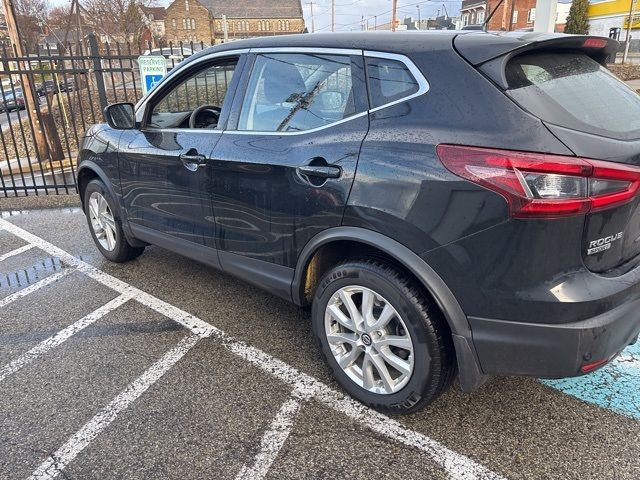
[(164, 368)]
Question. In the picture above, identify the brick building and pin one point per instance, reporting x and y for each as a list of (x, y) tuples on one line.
[(201, 20), (521, 14), (473, 12), (153, 18)]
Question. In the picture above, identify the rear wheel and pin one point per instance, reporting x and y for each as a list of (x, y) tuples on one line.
[(382, 339), (105, 225)]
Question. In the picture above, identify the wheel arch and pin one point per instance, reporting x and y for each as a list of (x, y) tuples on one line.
[(471, 375), (89, 170)]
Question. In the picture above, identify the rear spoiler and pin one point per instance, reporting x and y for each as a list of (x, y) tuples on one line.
[(490, 52), (480, 47)]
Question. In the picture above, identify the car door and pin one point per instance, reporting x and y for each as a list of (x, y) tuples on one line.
[(163, 165), (282, 171)]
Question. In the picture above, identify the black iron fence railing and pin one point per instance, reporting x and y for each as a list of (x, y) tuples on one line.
[(71, 85)]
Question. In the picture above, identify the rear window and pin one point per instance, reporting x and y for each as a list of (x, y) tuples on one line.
[(573, 91)]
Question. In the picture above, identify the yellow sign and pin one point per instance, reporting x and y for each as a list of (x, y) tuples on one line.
[(635, 22)]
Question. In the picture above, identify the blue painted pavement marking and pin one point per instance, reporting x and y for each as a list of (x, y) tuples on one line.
[(615, 386)]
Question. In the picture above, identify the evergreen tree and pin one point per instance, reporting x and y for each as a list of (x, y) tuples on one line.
[(578, 19)]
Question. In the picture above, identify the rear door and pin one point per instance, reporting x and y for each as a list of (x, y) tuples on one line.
[(282, 171)]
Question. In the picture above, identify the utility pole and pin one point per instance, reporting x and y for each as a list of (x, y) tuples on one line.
[(333, 15), (47, 145), (313, 20), (627, 41), (419, 19), (394, 15), (375, 22)]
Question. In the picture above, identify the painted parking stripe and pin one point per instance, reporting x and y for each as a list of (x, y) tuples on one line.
[(458, 466), (35, 287), (197, 326), (15, 252), (273, 440), (615, 386), (53, 466), (62, 336)]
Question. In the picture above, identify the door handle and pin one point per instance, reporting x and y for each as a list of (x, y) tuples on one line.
[(321, 171), (192, 160)]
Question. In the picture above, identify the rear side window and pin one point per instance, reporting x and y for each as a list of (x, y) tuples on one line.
[(573, 91), (297, 92), (389, 80)]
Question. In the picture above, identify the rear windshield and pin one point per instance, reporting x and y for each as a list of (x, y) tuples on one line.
[(573, 91)]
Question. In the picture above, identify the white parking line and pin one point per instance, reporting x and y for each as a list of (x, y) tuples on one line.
[(274, 438), (459, 467), (36, 286), (15, 252), (61, 336), (53, 466)]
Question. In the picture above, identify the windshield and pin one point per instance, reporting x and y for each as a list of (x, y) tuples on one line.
[(573, 91)]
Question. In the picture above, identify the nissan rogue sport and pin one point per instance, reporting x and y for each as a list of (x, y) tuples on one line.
[(447, 203)]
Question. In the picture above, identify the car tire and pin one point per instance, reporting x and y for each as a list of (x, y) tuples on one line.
[(431, 356), (105, 224)]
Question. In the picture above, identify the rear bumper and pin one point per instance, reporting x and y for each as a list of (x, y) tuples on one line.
[(553, 351)]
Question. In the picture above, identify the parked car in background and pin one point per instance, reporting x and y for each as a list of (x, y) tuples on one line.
[(49, 86), (447, 203), (12, 100)]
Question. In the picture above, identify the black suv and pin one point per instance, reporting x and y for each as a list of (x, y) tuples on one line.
[(446, 202)]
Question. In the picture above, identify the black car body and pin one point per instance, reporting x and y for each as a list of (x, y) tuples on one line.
[(516, 217)]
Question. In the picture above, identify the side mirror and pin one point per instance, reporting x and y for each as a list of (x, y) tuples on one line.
[(120, 116)]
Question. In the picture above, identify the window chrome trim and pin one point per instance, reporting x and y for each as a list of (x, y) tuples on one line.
[(301, 132), (142, 103), (423, 84)]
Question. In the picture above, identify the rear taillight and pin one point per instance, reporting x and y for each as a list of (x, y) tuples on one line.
[(542, 185)]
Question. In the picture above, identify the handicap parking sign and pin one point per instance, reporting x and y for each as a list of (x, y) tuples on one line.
[(152, 69), (150, 81)]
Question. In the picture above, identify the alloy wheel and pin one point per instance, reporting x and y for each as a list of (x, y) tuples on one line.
[(369, 340), (102, 221)]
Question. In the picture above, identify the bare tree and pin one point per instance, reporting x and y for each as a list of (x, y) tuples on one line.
[(30, 17), (119, 20), (61, 17)]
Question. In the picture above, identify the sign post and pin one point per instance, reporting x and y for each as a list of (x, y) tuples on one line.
[(152, 69)]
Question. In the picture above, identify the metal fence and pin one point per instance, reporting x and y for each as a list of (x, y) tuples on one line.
[(71, 85)]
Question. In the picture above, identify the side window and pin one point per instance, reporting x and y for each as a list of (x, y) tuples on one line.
[(389, 80), (297, 92), (206, 86)]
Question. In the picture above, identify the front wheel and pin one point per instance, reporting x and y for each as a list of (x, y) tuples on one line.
[(385, 344), (105, 225)]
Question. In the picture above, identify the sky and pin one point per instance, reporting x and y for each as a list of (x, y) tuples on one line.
[(349, 12)]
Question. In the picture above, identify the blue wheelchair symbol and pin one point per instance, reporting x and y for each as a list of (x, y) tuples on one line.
[(150, 81)]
